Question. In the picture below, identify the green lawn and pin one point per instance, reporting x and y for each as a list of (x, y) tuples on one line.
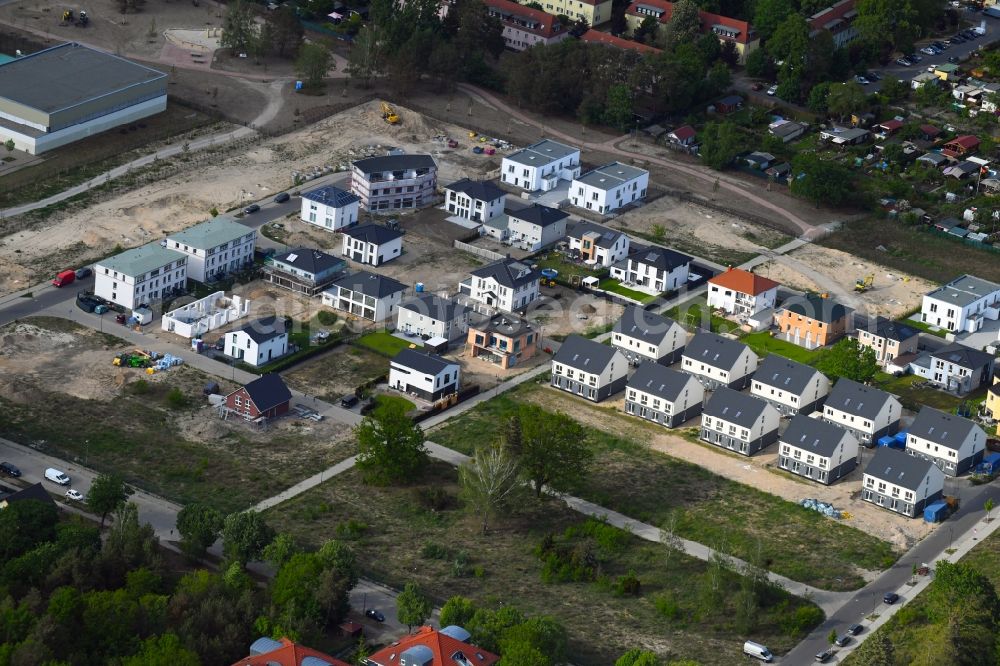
[(383, 342), (695, 314), (422, 533), (567, 269), (914, 397), (763, 344), (615, 287), (384, 400), (923, 326), (648, 485)]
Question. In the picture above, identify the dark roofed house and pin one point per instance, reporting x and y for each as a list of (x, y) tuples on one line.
[(817, 450), (35, 492), (507, 284), (534, 227), (738, 422), (889, 339), (266, 397), (865, 412), (653, 270), (717, 361), (304, 270), (373, 244), (662, 395), (588, 368), (812, 321), (367, 295), (433, 316), (644, 335), (423, 374), (729, 104), (956, 368), (477, 200), (596, 244), (259, 342), (902, 483), (791, 387), (951, 442)]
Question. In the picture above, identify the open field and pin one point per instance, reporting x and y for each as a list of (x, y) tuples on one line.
[(337, 372), (630, 478), (445, 554), (914, 397), (763, 344), (60, 394), (907, 249)]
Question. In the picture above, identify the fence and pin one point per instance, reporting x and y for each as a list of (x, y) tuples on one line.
[(968, 241), (480, 251)]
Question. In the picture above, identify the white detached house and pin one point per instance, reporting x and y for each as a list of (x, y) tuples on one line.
[(478, 201), (865, 412), (536, 226), (962, 305), (597, 245), (817, 450), (540, 166), (259, 342), (653, 271), (716, 361), (608, 188), (738, 422), (901, 483), (646, 336), (423, 375), (372, 244), (789, 386), (742, 293), (330, 208), (506, 285), (954, 444)]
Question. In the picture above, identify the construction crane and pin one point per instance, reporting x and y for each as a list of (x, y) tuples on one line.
[(864, 285), (389, 115)]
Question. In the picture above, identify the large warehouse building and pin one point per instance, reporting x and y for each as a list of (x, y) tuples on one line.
[(69, 92)]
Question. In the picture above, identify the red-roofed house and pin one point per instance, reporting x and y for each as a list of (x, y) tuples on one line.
[(738, 33), (269, 652), (888, 128), (683, 135), (929, 132), (596, 37), (524, 26), (838, 19), (961, 146), (429, 647), (740, 292)]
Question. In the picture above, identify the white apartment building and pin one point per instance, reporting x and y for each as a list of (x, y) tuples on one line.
[(540, 166), (330, 208), (140, 276), (607, 188), (962, 305), (214, 248)]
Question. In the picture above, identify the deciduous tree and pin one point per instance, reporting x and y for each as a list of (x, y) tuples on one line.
[(721, 142), (364, 62), (769, 14), (244, 536), (390, 446), (489, 481), (285, 31), (457, 611), (199, 526), (685, 24), (554, 450), (846, 358), (412, 607), (845, 99), (312, 64), (239, 29), (165, 650), (107, 493), (638, 657)]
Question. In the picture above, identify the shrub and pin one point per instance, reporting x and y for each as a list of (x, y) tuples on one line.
[(176, 399), (801, 621), (435, 551), (140, 387), (435, 498), (628, 585), (667, 606), (352, 529), (326, 318)]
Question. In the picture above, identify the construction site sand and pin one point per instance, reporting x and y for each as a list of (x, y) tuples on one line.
[(892, 295), (147, 213)]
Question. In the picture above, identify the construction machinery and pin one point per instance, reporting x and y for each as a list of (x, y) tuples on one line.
[(864, 285), (389, 114), (81, 20)]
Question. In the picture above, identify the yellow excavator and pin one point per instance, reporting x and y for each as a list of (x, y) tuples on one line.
[(864, 285), (389, 115)]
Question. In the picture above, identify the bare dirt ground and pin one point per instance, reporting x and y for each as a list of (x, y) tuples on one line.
[(337, 372), (755, 471), (476, 370), (149, 212), (562, 311), (821, 269)]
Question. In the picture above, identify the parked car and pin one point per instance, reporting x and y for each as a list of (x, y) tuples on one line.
[(9, 469), (914, 57), (252, 208), (873, 76), (74, 495), (953, 60), (83, 272), (56, 476), (824, 656), (282, 197), (855, 629), (348, 401), (928, 50), (862, 80), (773, 90), (375, 615), (903, 61), (941, 46), (842, 640), (890, 598), (757, 85)]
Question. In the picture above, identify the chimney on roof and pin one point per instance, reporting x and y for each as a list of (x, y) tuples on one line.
[(729, 268)]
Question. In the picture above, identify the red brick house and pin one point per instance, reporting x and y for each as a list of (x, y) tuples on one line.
[(269, 652), (267, 396)]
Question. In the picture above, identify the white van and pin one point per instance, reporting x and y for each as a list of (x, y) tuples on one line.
[(55, 476), (758, 651)]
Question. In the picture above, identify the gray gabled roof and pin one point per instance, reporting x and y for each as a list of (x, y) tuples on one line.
[(330, 196), (581, 353), (395, 163), (435, 307), (857, 399), (605, 237), (268, 391), (543, 153), (264, 329), (899, 468), (482, 190), (374, 234), (660, 258), (732, 406), (815, 307), (421, 361), (944, 429), (370, 284), (206, 235), (509, 273), (814, 435), (539, 215), (966, 357), (894, 330), (308, 260), (714, 350), (643, 325), (784, 374), (660, 381)]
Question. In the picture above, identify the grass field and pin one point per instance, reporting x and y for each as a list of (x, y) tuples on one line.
[(384, 400), (695, 314), (421, 533), (615, 287), (914, 398), (337, 372), (912, 251), (927, 328), (763, 344), (567, 269), (383, 342), (647, 485)]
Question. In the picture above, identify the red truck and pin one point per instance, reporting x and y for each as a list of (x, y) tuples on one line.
[(64, 278)]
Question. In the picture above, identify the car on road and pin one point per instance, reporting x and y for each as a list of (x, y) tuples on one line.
[(842, 641), (953, 60), (862, 80), (929, 50), (914, 57), (756, 85), (873, 76), (375, 615), (824, 656), (9, 469), (772, 91), (83, 272), (252, 208), (74, 495), (890, 598), (282, 197), (903, 61), (855, 629)]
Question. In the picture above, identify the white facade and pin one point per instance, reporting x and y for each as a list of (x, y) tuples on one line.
[(692, 396), (221, 245), (365, 252), (533, 236), (141, 275), (206, 314), (710, 374), (432, 322), (608, 188), (477, 208), (540, 166), (766, 422), (672, 339), (739, 302), (348, 297), (599, 244), (648, 278), (242, 346), (953, 452), (962, 305), (809, 463), (887, 415), (505, 285), (819, 387), (432, 382), (329, 208)]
